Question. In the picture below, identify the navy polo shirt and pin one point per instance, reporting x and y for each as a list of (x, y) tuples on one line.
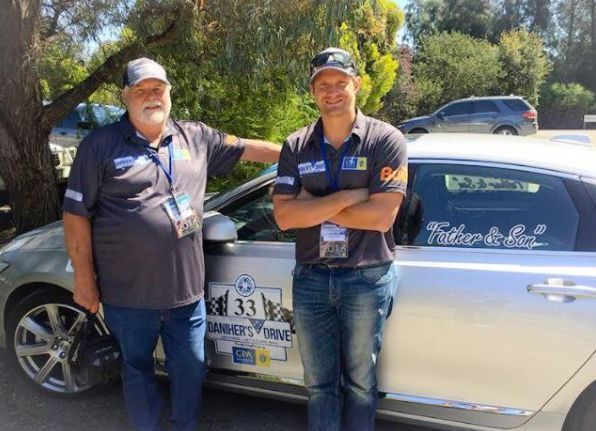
[(139, 260), (374, 157)]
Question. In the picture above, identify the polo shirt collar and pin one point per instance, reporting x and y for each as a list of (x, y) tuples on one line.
[(358, 129), (131, 134)]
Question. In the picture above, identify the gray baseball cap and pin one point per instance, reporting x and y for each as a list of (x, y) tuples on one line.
[(143, 68)]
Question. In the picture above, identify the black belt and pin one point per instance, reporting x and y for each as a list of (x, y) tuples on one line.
[(328, 267)]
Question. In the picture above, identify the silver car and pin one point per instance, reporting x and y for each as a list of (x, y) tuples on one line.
[(501, 115), (493, 324)]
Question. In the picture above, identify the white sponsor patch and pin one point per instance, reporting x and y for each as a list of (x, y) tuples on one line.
[(311, 167), (74, 195), (285, 180), (127, 162)]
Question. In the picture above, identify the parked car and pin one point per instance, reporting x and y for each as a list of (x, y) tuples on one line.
[(493, 324), (502, 115), (66, 136), (85, 117)]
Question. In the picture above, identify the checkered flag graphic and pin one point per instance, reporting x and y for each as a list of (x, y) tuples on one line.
[(217, 306), (275, 312)]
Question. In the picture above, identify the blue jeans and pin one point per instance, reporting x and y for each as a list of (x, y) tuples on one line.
[(339, 315), (182, 331)]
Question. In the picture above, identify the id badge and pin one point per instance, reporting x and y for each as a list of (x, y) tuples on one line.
[(333, 241), (182, 214)]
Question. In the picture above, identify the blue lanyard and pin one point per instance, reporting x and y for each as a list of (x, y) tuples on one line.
[(169, 173), (334, 179)]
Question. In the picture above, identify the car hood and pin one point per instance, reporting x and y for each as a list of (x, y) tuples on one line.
[(49, 237)]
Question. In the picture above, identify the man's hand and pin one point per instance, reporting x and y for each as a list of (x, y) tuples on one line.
[(86, 294)]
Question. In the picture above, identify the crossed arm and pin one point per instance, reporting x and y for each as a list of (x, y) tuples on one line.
[(354, 209)]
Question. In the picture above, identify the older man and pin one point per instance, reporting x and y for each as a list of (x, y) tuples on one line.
[(132, 218), (340, 183)]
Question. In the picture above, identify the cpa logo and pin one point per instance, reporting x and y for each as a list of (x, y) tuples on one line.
[(245, 285)]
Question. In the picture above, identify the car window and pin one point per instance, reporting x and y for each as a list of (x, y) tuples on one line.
[(253, 216), (485, 106), (106, 114), (462, 108), (492, 208), (517, 104)]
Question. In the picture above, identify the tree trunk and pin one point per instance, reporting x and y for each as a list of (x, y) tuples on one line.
[(30, 179), (25, 160), (593, 44)]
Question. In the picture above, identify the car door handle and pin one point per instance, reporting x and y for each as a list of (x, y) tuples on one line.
[(63, 133), (560, 290)]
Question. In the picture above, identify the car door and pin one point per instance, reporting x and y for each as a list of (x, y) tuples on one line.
[(249, 293), (481, 332), (455, 117), (485, 115)]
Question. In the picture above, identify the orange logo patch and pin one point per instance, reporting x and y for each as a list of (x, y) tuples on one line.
[(230, 139), (398, 175)]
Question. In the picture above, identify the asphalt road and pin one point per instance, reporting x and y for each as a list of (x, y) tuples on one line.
[(23, 408)]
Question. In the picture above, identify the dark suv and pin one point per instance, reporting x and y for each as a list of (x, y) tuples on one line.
[(504, 115)]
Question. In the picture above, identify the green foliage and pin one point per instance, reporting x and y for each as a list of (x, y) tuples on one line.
[(60, 68), (564, 105), (524, 64), (371, 42), (453, 65), (567, 28), (567, 96)]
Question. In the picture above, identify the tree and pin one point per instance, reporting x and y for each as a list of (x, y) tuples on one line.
[(372, 40), (279, 30), (573, 44), (453, 65), (562, 106), (524, 64)]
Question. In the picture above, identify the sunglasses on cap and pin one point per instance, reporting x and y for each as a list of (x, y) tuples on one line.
[(332, 58)]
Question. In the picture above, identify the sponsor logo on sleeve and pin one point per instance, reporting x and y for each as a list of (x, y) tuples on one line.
[(388, 174), (74, 195), (285, 180), (231, 139), (310, 168), (354, 164)]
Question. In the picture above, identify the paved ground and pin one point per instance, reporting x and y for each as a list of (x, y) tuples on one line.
[(22, 408)]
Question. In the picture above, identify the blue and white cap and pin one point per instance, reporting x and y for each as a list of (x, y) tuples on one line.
[(143, 68)]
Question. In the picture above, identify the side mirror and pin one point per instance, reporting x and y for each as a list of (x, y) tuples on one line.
[(441, 115), (218, 228)]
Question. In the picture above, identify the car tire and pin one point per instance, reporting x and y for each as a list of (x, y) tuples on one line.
[(582, 416), (417, 131), (40, 332), (505, 130)]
